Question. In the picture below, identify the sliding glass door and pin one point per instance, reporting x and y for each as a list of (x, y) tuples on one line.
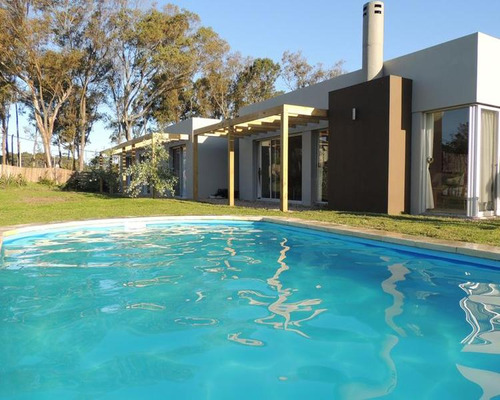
[(269, 169), (462, 161), (322, 167), (447, 161), (178, 162)]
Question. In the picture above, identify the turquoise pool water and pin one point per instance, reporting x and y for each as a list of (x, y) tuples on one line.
[(242, 310)]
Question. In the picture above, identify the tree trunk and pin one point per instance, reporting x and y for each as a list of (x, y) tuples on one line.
[(46, 150), (83, 131), (4, 143), (34, 148), (19, 163), (73, 157), (12, 150)]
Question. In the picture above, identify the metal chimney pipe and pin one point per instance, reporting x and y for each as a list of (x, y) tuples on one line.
[(373, 40)]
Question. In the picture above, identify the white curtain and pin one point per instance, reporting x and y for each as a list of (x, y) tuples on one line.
[(429, 150), (487, 186)]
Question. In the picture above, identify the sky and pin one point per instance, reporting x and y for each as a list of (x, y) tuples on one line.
[(326, 31)]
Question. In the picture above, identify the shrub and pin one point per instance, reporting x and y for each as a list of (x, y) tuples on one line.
[(153, 172), (46, 181), (17, 180), (89, 180)]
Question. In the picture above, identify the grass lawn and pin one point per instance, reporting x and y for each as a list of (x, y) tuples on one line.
[(38, 204)]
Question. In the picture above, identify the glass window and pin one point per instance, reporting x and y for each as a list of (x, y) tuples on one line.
[(448, 153), (269, 171), (177, 157), (322, 167)]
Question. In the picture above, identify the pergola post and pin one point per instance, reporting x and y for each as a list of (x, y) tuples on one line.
[(123, 161), (101, 185), (195, 167), (284, 160), (230, 167)]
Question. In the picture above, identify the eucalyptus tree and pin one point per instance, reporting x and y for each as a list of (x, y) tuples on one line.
[(212, 92), (33, 51), (209, 93), (67, 128), (256, 82), (154, 53), (298, 73), (7, 97), (89, 36)]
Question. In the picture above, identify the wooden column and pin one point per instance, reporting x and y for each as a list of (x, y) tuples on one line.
[(195, 167), (111, 169), (132, 155), (101, 184), (230, 167), (284, 161), (123, 168)]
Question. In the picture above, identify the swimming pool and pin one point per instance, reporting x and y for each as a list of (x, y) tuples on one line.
[(232, 309)]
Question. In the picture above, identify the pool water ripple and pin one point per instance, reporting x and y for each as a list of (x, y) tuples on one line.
[(199, 310)]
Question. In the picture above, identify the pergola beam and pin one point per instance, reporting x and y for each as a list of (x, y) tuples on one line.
[(146, 140), (273, 119)]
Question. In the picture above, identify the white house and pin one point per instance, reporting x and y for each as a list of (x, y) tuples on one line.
[(417, 134)]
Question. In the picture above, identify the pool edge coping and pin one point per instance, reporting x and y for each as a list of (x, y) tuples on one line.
[(461, 248)]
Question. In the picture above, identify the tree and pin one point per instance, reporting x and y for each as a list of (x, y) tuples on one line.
[(210, 94), (90, 35), (256, 82), (152, 171), (298, 73), (213, 93), (67, 128), (33, 50), (154, 53), (6, 99)]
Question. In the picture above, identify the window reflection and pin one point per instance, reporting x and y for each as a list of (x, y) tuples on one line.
[(322, 167), (448, 150)]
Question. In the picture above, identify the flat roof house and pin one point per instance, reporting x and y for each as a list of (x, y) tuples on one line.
[(417, 134)]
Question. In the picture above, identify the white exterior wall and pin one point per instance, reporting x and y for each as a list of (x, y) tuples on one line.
[(443, 76), (308, 180), (212, 165), (488, 70), (247, 167), (212, 161)]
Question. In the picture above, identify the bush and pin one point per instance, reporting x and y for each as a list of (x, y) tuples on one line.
[(89, 180), (46, 181), (153, 172), (18, 180)]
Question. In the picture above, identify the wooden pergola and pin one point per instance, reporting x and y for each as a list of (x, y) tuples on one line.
[(279, 118)]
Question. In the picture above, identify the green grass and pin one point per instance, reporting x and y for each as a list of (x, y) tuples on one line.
[(39, 204)]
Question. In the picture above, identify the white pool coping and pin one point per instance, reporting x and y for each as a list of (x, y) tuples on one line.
[(420, 242)]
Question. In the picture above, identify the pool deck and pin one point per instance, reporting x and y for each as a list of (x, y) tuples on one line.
[(421, 242)]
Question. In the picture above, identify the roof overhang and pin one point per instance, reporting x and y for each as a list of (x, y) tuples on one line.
[(146, 140), (268, 120)]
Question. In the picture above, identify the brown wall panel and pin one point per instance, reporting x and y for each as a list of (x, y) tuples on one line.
[(368, 162)]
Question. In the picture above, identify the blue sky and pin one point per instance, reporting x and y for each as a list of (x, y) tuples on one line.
[(330, 30)]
